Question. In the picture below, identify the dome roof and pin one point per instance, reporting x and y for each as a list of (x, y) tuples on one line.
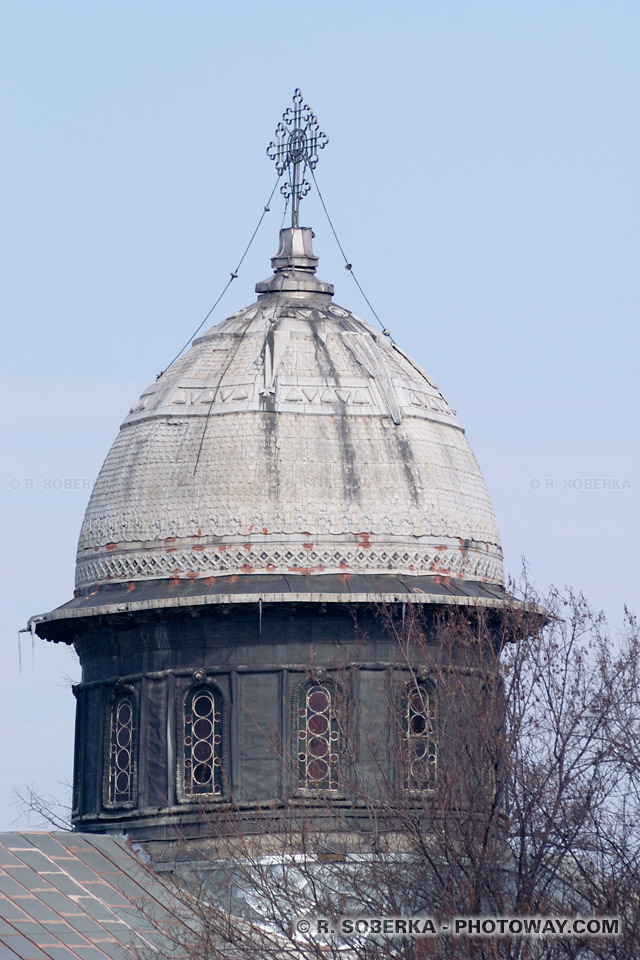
[(292, 438)]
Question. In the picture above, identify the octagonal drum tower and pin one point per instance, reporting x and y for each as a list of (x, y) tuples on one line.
[(291, 472)]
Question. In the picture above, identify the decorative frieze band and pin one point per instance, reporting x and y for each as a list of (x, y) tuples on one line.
[(311, 395), (478, 563)]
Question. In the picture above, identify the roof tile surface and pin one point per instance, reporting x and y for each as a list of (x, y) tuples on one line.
[(65, 896)]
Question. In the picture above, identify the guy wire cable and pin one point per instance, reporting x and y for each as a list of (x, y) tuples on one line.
[(348, 265), (232, 356), (261, 309), (233, 276)]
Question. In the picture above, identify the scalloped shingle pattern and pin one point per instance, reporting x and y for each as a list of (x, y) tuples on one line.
[(291, 437)]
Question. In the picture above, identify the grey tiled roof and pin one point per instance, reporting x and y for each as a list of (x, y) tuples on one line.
[(66, 896)]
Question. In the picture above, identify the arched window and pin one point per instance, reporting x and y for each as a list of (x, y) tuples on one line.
[(201, 743), (318, 737), (120, 771), (420, 737)]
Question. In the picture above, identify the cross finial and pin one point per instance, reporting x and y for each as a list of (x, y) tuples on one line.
[(298, 139)]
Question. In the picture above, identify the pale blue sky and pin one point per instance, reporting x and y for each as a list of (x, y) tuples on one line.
[(482, 174)]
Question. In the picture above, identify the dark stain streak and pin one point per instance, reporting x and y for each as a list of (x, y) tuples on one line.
[(268, 406), (271, 445), (142, 452), (407, 460), (269, 346), (350, 479), (399, 449), (183, 438)]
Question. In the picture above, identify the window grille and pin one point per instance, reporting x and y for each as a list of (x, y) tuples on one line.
[(318, 737), (121, 758), (202, 743), (420, 738)]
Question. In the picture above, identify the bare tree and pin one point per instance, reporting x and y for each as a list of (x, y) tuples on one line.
[(513, 790), (39, 810)]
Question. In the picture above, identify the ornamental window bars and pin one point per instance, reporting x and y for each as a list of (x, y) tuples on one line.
[(202, 740), (420, 737), (318, 737), (120, 774)]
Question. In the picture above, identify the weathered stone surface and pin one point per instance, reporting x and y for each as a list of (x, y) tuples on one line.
[(291, 438)]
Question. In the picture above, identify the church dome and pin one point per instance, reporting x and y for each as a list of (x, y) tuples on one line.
[(291, 439)]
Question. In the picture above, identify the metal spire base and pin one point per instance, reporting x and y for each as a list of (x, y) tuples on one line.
[(294, 264)]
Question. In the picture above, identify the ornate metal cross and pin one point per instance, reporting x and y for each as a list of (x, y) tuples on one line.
[(298, 139)]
